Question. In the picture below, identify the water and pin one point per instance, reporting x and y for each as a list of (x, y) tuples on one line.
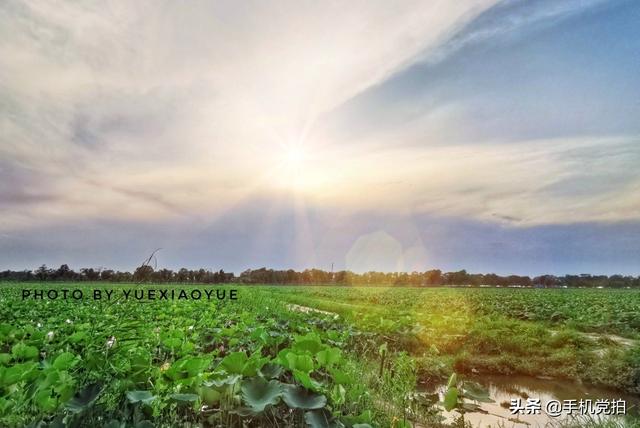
[(504, 388)]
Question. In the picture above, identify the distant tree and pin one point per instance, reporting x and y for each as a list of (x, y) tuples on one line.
[(106, 275), (90, 274), (143, 273), (545, 281), (163, 276), (182, 275), (64, 273), (433, 277), (457, 278), (42, 273)]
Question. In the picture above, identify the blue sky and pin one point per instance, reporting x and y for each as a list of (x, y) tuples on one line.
[(575, 75), (492, 136)]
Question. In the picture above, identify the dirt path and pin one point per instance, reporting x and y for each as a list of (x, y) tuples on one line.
[(618, 340), (307, 309)]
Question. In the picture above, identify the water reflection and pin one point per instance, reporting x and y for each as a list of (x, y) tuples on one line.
[(503, 389)]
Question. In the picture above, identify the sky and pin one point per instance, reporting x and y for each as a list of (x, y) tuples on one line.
[(491, 136)]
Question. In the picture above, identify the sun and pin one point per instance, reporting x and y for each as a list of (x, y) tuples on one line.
[(294, 157), (293, 168), (298, 166)]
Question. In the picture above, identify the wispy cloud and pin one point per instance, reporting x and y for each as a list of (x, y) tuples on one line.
[(183, 101), (508, 20)]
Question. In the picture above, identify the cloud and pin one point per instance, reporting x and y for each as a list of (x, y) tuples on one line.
[(185, 101), (553, 181), (247, 238), (507, 20)]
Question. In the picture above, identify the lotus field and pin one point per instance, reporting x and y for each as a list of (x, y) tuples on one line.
[(299, 356)]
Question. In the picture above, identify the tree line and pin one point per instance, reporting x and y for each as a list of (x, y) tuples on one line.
[(429, 278), (144, 273)]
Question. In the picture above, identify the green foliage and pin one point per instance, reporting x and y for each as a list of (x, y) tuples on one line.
[(20, 351), (184, 398), (463, 396), (258, 393), (451, 398), (258, 362), (300, 398), (135, 364), (321, 419), (83, 399), (145, 397)]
